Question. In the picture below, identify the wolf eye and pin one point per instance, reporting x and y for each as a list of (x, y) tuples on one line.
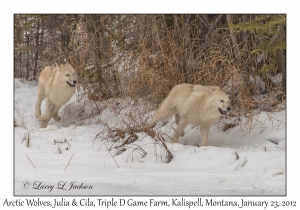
[(222, 101), (68, 75)]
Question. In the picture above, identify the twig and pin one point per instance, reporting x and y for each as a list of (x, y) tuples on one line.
[(111, 155), (169, 155), (237, 155), (112, 62), (69, 162), (280, 172), (30, 161), (129, 140)]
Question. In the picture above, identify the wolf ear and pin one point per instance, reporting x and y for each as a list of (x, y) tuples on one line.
[(214, 88)]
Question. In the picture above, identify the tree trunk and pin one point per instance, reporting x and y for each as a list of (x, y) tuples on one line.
[(21, 65), (27, 66), (27, 54), (37, 48), (186, 42), (282, 58)]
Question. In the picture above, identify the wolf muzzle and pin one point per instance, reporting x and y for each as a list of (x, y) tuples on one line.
[(224, 112), (72, 84)]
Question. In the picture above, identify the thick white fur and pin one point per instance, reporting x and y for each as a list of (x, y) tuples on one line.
[(57, 84), (193, 104)]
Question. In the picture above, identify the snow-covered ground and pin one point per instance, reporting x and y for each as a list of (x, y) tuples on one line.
[(249, 159)]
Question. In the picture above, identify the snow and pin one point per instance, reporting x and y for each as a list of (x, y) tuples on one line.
[(248, 159)]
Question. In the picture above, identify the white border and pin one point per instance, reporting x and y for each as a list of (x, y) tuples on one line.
[(150, 7)]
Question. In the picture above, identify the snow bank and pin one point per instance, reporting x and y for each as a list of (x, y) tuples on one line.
[(246, 160)]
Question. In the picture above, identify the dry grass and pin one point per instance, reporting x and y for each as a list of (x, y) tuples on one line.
[(165, 56), (26, 137), (227, 126), (62, 142), (20, 116)]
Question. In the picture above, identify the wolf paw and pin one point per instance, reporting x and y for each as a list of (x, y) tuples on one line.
[(57, 118), (173, 140), (44, 125), (42, 118), (38, 114)]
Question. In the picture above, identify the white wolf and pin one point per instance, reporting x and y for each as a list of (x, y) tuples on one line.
[(57, 84), (193, 104)]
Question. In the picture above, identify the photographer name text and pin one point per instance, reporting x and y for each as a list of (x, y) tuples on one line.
[(62, 185)]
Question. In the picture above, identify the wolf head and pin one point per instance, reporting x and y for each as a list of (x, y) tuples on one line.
[(220, 100), (68, 74)]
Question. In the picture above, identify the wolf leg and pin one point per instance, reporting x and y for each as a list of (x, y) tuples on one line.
[(54, 110), (204, 130), (41, 97), (56, 117), (161, 115), (46, 115), (177, 120), (180, 128)]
